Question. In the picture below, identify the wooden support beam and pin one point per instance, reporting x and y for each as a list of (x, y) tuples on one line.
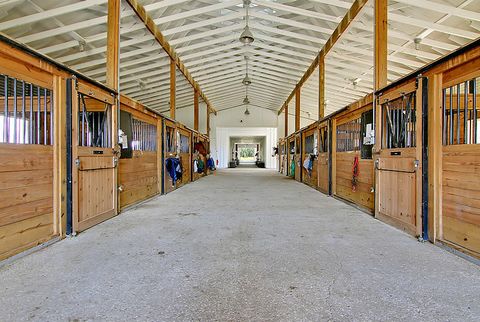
[(208, 120), (337, 33), (321, 87), (152, 27), (297, 108), (173, 85), (286, 119), (195, 110), (381, 43), (113, 43)]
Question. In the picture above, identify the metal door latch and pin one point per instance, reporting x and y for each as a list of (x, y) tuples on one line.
[(115, 162), (77, 163), (416, 163), (377, 161)]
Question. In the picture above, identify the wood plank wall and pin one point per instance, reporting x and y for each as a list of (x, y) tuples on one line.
[(461, 196), (363, 195), (26, 197), (139, 176)]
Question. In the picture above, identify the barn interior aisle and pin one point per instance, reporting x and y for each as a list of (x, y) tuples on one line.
[(267, 248)]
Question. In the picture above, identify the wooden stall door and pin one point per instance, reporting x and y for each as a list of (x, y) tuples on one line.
[(298, 157), (309, 140), (184, 139), (284, 158), (398, 163), (460, 159), (95, 159), (323, 160), (169, 143), (290, 156)]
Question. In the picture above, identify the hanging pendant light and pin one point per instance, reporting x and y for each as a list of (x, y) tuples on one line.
[(246, 80), (246, 37), (247, 112), (246, 101)]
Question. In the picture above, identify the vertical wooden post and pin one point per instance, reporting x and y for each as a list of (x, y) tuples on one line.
[(173, 84), (435, 224), (113, 46), (159, 155), (208, 120), (195, 110), (321, 86), (112, 78), (381, 43), (60, 151), (380, 80), (297, 108), (286, 120)]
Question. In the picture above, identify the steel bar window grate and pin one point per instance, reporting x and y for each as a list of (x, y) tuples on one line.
[(399, 122), (323, 140), (460, 113), (184, 144), (94, 123), (26, 115), (349, 136), (144, 136)]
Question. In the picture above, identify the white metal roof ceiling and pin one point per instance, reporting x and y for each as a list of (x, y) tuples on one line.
[(288, 35)]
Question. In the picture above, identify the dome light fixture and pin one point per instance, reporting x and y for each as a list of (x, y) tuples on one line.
[(246, 80), (246, 37)]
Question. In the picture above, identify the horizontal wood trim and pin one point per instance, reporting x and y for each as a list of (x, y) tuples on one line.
[(96, 162)]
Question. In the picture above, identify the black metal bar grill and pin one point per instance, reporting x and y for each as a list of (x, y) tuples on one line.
[(27, 114), (460, 114), (399, 121)]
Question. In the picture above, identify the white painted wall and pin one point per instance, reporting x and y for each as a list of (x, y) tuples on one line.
[(202, 118), (281, 125), (223, 149), (235, 117), (185, 116)]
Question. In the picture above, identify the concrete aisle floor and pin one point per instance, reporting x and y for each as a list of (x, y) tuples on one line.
[(242, 245)]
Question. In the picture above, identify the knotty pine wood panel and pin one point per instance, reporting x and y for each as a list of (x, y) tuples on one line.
[(138, 177), (363, 195)]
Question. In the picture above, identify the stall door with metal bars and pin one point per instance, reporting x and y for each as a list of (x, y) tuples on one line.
[(94, 157), (323, 159), (298, 157), (398, 192)]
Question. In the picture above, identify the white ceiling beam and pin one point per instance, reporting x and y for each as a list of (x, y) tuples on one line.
[(48, 14), (443, 8)]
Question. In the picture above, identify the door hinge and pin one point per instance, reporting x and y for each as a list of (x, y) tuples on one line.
[(77, 163)]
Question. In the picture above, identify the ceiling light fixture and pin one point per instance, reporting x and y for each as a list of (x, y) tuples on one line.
[(246, 37), (82, 44), (417, 42), (246, 101)]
